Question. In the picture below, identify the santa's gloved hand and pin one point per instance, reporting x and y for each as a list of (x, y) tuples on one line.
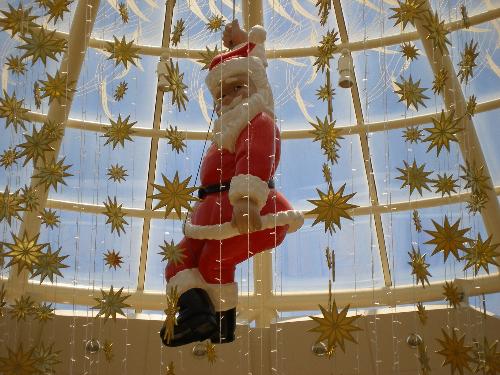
[(233, 35), (246, 216)]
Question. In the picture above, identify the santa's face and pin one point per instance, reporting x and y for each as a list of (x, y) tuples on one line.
[(233, 90)]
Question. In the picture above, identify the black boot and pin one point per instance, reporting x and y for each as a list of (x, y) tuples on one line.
[(196, 320), (226, 327)]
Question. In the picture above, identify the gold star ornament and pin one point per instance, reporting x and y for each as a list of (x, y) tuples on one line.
[(123, 10), (443, 132), (119, 131), (207, 56), (17, 21), (436, 31), (215, 23), (175, 85), (47, 358), (452, 294), (10, 206), (468, 62), (24, 252), (481, 254), (18, 362), (113, 259), (171, 314), (416, 221), (115, 215), (422, 313), (120, 91), (52, 173), (335, 327), (486, 358), (419, 266), (44, 312), (175, 139), (57, 8), (324, 7), (331, 207), (117, 173), (41, 45), (122, 51), (474, 178), (439, 83), (412, 134), (408, 11), (445, 184), (179, 28), (16, 65), (456, 354), (172, 253), (448, 238), (111, 303), (9, 157), (21, 308), (12, 111), (411, 92), (35, 147), (49, 264), (211, 352), (414, 176), (174, 195), (49, 218), (409, 51), (57, 87), (108, 350)]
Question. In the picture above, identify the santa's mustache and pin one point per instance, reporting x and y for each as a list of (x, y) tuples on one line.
[(234, 103)]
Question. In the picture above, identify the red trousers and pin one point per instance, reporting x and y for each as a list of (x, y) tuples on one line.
[(216, 260)]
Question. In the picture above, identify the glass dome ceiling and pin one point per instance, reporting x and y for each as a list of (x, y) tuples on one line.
[(371, 251)]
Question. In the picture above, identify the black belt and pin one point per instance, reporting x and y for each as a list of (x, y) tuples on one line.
[(211, 189)]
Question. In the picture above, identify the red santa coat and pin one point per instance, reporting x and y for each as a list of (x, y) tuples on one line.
[(245, 154)]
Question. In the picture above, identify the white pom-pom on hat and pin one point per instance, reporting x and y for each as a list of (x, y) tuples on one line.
[(257, 34)]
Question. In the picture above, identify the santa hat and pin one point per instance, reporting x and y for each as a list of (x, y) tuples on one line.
[(246, 58)]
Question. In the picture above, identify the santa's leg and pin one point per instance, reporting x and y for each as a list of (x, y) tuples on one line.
[(217, 265), (196, 320)]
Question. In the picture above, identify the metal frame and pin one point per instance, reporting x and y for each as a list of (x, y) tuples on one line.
[(262, 305)]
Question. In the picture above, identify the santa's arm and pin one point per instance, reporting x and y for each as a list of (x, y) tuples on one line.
[(257, 150)]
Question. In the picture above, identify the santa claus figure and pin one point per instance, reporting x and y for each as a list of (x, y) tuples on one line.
[(240, 213)]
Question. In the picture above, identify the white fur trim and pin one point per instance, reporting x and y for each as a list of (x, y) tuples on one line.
[(229, 125), (257, 34), (294, 220), (247, 185), (223, 296)]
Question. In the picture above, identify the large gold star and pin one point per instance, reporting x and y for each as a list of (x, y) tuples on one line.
[(411, 92), (57, 87), (335, 327), (325, 132), (110, 304), (113, 259), (419, 266), (123, 10), (17, 20), (174, 195), (41, 44), (412, 134), (415, 177), (448, 239), (409, 51), (49, 218), (21, 308), (29, 198), (455, 352), (215, 23), (24, 251), (9, 157), (468, 62), (117, 173), (422, 313), (475, 178), (43, 312), (52, 173), (172, 253), (175, 139), (12, 110), (408, 11), (175, 85), (120, 91), (115, 214), (452, 294), (481, 254), (18, 362), (211, 352), (207, 56), (179, 28), (35, 147), (10, 206), (57, 8), (440, 79), (49, 264), (119, 131), (16, 65), (171, 314), (122, 51), (332, 206), (436, 31), (47, 358), (486, 358), (324, 7), (445, 184), (443, 132)]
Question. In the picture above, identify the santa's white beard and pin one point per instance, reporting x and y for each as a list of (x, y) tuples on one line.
[(234, 103)]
